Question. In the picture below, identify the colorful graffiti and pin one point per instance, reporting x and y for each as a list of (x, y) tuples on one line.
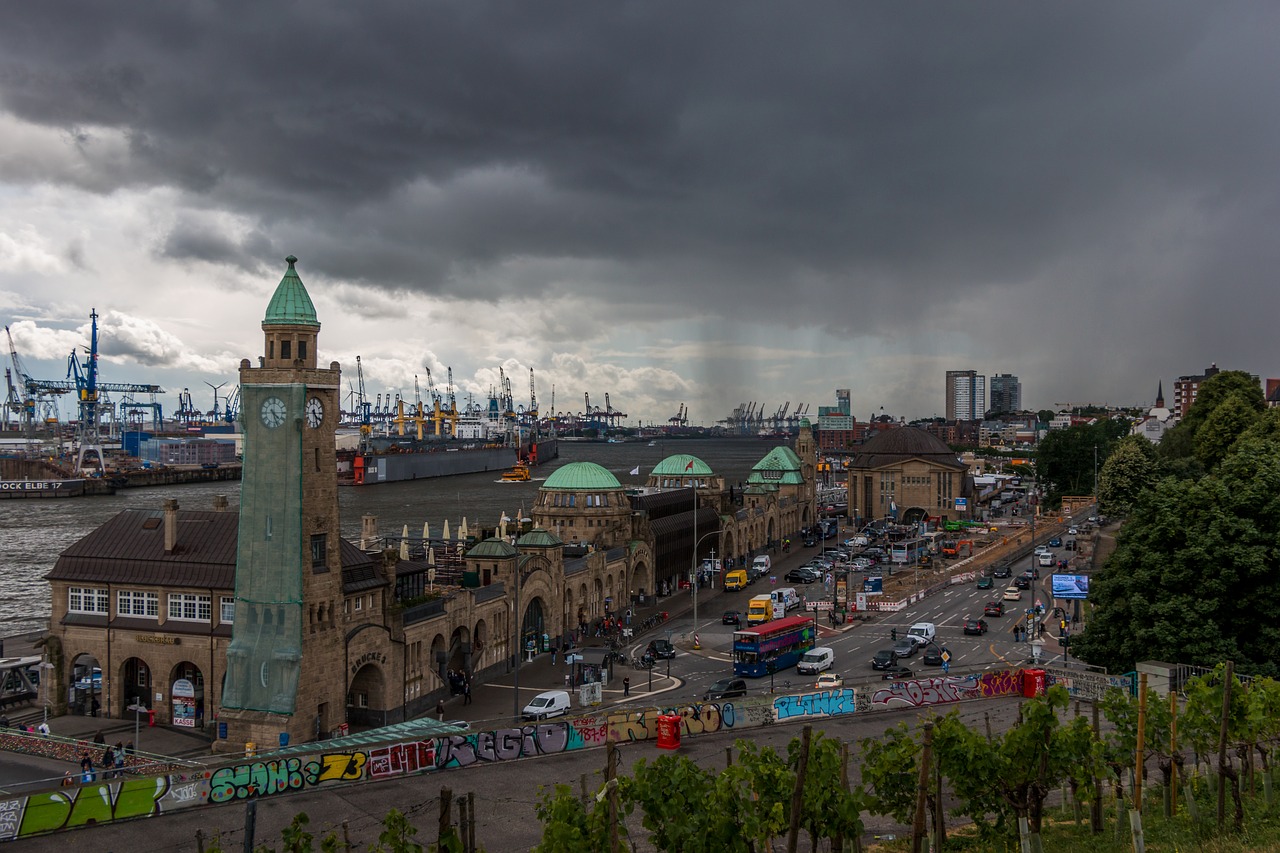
[(269, 777), (941, 691), (507, 744), (68, 808), (827, 703)]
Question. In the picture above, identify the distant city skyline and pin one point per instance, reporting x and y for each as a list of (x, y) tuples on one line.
[(678, 206)]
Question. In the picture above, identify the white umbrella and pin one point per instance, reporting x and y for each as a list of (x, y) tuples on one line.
[(446, 529), (426, 532), (404, 543), (462, 530), (431, 556)]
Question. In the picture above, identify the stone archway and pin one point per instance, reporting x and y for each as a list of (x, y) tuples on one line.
[(439, 657), (86, 684), (533, 626), (366, 696), (460, 649), (479, 642), (915, 515), (186, 696)]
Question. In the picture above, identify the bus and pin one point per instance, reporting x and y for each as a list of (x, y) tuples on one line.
[(908, 551), (780, 643)]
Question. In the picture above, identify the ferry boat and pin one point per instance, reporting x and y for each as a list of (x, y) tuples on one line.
[(517, 474)]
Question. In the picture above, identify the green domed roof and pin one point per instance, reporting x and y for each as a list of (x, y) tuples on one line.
[(580, 477), (291, 305), (681, 464), (494, 548), (781, 467), (539, 538)]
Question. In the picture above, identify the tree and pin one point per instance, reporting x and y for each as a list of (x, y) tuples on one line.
[(1201, 724), (1120, 744), (1131, 470), (829, 809), (1012, 775), (1220, 429), (1194, 571), (1044, 416), (1066, 458), (1181, 442)]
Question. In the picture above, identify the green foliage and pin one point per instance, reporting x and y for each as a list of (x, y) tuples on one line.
[(1120, 742), (1065, 458), (828, 809), (1244, 402), (397, 837), (1130, 472), (891, 772), (570, 827), (1200, 723), (1232, 417), (1192, 567), (1044, 415)]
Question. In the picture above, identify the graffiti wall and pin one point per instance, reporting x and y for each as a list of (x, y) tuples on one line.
[(148, 796)]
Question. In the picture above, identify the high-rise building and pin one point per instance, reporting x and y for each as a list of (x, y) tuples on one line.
[(1185, 389), (1006, 393), (842, 401), (966, 395)]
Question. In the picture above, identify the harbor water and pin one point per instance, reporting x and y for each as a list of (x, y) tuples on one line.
[(35, 532)]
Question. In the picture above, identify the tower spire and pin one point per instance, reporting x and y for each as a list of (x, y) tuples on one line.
[(1160, 395)]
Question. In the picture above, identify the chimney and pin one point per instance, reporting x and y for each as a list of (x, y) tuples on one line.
[(170, 525), (219, 503), (368, 531)]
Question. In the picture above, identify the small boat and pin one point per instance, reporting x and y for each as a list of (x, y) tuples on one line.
[(518, 474), (653, 444)]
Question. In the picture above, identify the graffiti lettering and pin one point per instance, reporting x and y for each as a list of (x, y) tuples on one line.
[(71, 807), (336, 767), (824, 704), (402, 759), (633, 725), (938, 691), (258, 778), (10, 818), (507, 744)]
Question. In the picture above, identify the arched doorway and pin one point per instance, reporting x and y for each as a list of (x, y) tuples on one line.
[(479, 642), (366, 703), (914, 516), (533, 627), (460, 650), (186, 695), (85, 690), (439, 657)]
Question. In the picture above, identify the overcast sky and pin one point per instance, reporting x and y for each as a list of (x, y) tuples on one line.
[(706, 203)]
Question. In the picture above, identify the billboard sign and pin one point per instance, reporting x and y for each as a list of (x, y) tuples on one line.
[(873, 586), (962, 503), (1071, 586)]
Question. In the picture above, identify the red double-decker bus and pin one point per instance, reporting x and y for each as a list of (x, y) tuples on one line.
[(780, 643)]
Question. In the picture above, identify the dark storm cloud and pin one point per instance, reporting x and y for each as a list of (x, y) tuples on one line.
[(901, 153)]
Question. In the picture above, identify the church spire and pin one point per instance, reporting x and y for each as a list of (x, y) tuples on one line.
[(1160, 395)]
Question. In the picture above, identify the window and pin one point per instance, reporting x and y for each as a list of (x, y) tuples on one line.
[(193, 608), (141, 680), (319, 553), (131, 603), (227, 610), (302, 349), (359, 604), (284, 349), (87, 600)]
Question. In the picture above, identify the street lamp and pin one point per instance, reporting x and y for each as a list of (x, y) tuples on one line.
[(45, 666), (137, 710), (693, 577)]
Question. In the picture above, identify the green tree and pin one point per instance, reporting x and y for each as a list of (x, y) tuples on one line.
[(1201, 724), (890, 772), (568, 826), (1065, 459), (1194, 569), (1180, 443), (1011, 776), (1130, 472), (828, 808), (1220, 429), (1120, 743), (1044, 416)]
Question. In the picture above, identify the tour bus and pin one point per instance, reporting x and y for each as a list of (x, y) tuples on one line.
[(773, 646)]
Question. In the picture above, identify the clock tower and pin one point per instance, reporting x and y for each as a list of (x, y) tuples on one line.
[(284, 663)]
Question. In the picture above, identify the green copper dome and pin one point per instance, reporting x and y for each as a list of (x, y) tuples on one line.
[(581, 477), (538, 538), (495, 549), (681, 464), (291, 306), (781, 467)]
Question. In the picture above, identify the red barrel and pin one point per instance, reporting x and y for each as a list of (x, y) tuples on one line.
[(1032, 682), (668, 731)]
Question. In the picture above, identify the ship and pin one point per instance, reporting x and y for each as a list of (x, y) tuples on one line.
[(396, 459)]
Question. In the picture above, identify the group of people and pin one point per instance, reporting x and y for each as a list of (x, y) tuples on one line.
[(42, 729), (459, 685), (111, 763)]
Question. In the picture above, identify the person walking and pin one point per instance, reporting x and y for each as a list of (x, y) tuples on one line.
[(466, 692), (554, 652), (440, 710), (626, 686)]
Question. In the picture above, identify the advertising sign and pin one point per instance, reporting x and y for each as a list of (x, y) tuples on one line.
[(873, 586), (184, 703), (1071, 586), (962, 503)]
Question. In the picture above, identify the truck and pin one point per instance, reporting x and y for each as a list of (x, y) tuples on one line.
[(760, 610)]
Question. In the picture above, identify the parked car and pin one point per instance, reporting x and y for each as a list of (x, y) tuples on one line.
[(829, 681), (993, 608), (802, 575), (897, 673), (1012, 593), (884, 659), (985, 582), (932, 656), (662, 649), (726, 688), (905, 648), (862, 563), (552, 703), (731, 617), (975, 626)]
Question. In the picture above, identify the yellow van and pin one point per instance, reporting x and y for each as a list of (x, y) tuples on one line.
[(736, 579), (759, 610)]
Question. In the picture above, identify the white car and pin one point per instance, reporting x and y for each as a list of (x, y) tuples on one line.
[(1012, 593), (1073, 531)]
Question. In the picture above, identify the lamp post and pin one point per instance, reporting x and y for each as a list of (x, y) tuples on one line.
[(137, 710), (45, 666), (693, 577)]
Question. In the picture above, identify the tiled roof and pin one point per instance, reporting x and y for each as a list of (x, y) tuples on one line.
[(291, 304), (892, 446)]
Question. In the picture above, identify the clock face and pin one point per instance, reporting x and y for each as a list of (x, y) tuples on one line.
[(273, 412), (315, 412)]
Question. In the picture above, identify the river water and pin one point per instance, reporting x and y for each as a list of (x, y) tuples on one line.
[(34, 532)]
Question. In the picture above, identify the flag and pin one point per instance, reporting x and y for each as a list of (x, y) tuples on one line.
[(689, 467), (635, 472)]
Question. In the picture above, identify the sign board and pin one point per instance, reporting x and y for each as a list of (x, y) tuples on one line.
[(962, 503), (946, 658), (1070, 586), (873, 586), (817, 605), (861, 600)]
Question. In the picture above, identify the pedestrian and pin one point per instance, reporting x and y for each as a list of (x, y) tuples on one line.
[(95, 707), (1015, 633), (43, 728), (626, 686), (466, 692), (108, 762), (67, 780), (128, 748), (440, 710), (554, 650), (119, 759), (99, 739), (893, 634)]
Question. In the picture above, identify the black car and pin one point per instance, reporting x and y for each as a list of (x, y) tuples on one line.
[(897, 673), (884, 659), (932, 656), (993, 608), (1001, 572), (731, 617), (1055, 542), (662, 649), (726, 688), (975, 626), (1021, 583), (810, 542), (801, 575)]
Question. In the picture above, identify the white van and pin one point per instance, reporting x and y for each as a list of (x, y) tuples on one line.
[(922, 633), (552, 703), (1045, 559), (762, 563), (787, 597), (816, 660)]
